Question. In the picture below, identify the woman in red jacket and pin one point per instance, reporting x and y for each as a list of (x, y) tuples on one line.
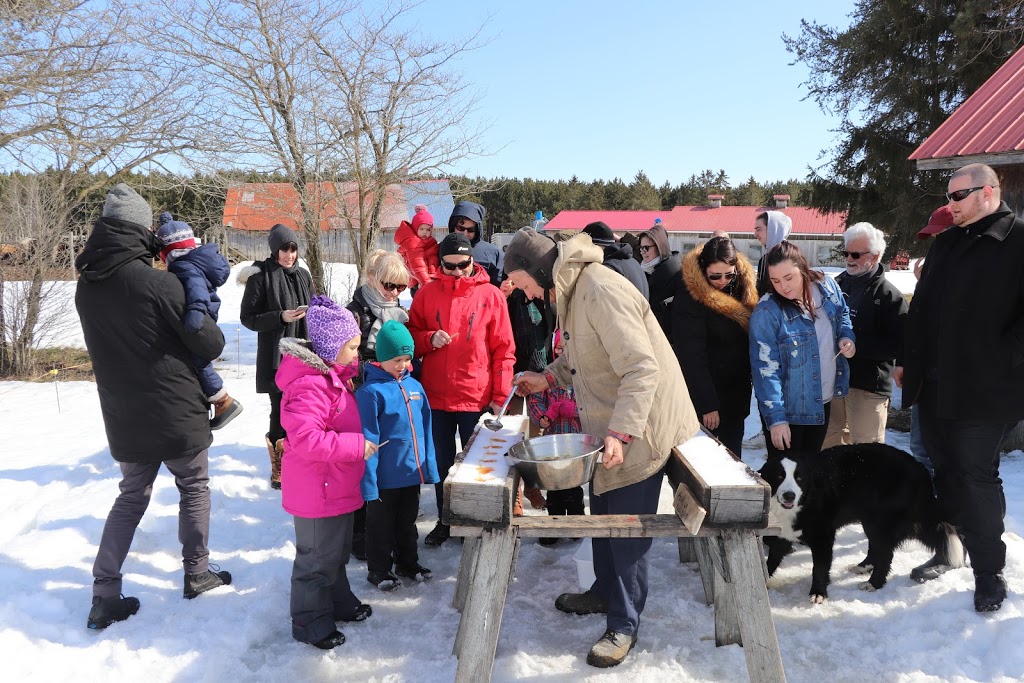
[(461, 328)]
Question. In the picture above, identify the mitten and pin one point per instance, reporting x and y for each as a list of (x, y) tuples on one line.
[(193, 321)]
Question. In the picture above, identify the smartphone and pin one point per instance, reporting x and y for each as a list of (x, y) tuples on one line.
[(300, 309)]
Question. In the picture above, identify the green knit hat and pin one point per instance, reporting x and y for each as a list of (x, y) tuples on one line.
[(393, 340)]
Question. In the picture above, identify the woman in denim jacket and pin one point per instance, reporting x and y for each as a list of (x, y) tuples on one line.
[(800, 339)]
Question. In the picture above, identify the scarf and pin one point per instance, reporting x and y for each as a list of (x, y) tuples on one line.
[(649, 266), (383, 310)]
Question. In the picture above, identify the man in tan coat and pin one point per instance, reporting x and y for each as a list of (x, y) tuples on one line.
[(629, 390)]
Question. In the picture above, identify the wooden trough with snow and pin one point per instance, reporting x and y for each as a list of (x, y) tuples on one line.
[(721, 512)]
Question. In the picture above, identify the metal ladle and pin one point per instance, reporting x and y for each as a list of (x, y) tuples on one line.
[(494, 423)]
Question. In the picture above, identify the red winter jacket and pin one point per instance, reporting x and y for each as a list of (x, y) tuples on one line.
[(323, 452), (420, 254), (475, 369)]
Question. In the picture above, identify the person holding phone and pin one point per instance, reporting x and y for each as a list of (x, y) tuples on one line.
[(277, 293)]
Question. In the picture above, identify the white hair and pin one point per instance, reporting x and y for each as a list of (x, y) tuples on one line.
[(875, 237)]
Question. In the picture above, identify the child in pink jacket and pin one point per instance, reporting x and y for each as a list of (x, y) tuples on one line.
[(417, 245), (324, 463)]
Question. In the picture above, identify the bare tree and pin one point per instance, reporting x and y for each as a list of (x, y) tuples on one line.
[(323, 93)]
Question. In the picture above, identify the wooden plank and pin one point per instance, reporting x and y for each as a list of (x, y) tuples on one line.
[(690, 512), (467, 565), (727, 604), (607, 526), (707, 569), (481, 485), (757, 629), (724, 503), (481, 620), (952, 163), (687, 550)]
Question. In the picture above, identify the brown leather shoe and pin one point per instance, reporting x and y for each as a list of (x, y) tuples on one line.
[(276, 452)]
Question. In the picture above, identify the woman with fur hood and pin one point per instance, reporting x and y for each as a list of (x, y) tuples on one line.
[(710, 323)]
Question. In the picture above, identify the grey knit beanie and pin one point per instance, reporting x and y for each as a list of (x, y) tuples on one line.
[(533, 252), (125, 204), (279, 236)]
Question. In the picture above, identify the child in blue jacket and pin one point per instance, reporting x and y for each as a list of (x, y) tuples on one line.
[(395, 415), (201, 271)]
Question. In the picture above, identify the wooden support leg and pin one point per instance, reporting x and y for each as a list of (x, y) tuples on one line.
[(687, 549), (727, 605), (760, 643), (707, 569), (467, 565), (477, 638)]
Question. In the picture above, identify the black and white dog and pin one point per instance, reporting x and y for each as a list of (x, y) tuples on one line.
[(881, 487)]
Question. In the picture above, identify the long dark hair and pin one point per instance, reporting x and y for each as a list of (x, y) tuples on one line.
[(787, 251), (721, 249)]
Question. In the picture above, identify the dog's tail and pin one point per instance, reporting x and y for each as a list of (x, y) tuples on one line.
[(952, 549)]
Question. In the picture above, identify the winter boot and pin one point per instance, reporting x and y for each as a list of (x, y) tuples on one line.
[(225, 409), (105, 611), (386, 581), (611, 649), (415, 572), (362, 613), (517, 504), (276, 453), (331, 641), (438, 535), (932, 569), (588, 602), (989, 592), (197, 584)]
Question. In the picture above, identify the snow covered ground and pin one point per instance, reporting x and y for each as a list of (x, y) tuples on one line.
[(58, 481)]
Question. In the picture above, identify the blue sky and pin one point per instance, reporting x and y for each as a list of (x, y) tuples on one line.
[(603, 89)]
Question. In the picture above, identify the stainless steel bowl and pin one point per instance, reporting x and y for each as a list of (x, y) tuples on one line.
[(557, 461)]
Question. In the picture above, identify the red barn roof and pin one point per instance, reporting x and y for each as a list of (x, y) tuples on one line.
[(989, 122), (732, 219), (259, 206)]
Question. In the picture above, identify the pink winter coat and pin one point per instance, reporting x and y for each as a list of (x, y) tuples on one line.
[(323, 452)]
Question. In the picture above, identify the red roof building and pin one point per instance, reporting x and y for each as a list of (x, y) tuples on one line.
[(704, 219), (987, 128)]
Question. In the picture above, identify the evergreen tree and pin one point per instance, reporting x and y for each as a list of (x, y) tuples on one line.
[(895, 75), (642, 195)]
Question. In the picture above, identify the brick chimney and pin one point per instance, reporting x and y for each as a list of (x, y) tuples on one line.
[(781, 201), (715, 200)]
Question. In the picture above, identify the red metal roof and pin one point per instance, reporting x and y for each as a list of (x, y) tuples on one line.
[(733, 219), (991, 121), (259, 206)]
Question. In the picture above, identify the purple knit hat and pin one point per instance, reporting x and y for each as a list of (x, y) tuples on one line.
[(330, 326)]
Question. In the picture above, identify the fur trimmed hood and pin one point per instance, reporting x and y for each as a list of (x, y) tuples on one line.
[(245, 273), (302, 349), (736, 308)]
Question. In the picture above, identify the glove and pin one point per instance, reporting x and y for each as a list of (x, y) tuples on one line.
[(193, 321), (561, 410)]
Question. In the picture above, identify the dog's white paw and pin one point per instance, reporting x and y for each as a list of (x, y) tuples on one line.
[(818, 599), (866, 586), (861, 568)]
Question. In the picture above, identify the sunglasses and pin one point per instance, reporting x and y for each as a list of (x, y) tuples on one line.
[(960, 195), (463, 265), (647, 247), (715, 277), (853, 254), (392, 287), (459, 228)]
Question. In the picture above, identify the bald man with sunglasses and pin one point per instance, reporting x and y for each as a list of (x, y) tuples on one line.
[(964, 368)]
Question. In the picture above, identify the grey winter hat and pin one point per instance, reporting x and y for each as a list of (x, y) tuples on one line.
[(533, 252), (279, 236), (599, 230), (125, 204)]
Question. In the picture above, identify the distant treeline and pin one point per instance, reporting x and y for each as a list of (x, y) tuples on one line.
[(511, 203)]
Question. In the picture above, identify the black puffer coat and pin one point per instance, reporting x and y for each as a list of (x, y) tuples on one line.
[(269, 290), (665, 282), (153, 407)]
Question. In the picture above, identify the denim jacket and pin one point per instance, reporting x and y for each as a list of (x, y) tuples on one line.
[(784, 358)]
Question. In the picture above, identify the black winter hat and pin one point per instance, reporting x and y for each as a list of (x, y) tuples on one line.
[(599, 230), (279, 236), (535, 253), (455, 244)]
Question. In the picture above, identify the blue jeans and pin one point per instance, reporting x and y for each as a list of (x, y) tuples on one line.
[(917, 448), (621, 564)]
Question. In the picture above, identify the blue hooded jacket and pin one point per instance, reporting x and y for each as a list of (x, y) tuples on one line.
[(397, 411), (201, 271)]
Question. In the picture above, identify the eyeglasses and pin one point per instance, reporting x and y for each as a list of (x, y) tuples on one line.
[(460, 228), (464, 265), (715, 277), (392, 287), (853, 254), (644, 248), (960, 195)]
